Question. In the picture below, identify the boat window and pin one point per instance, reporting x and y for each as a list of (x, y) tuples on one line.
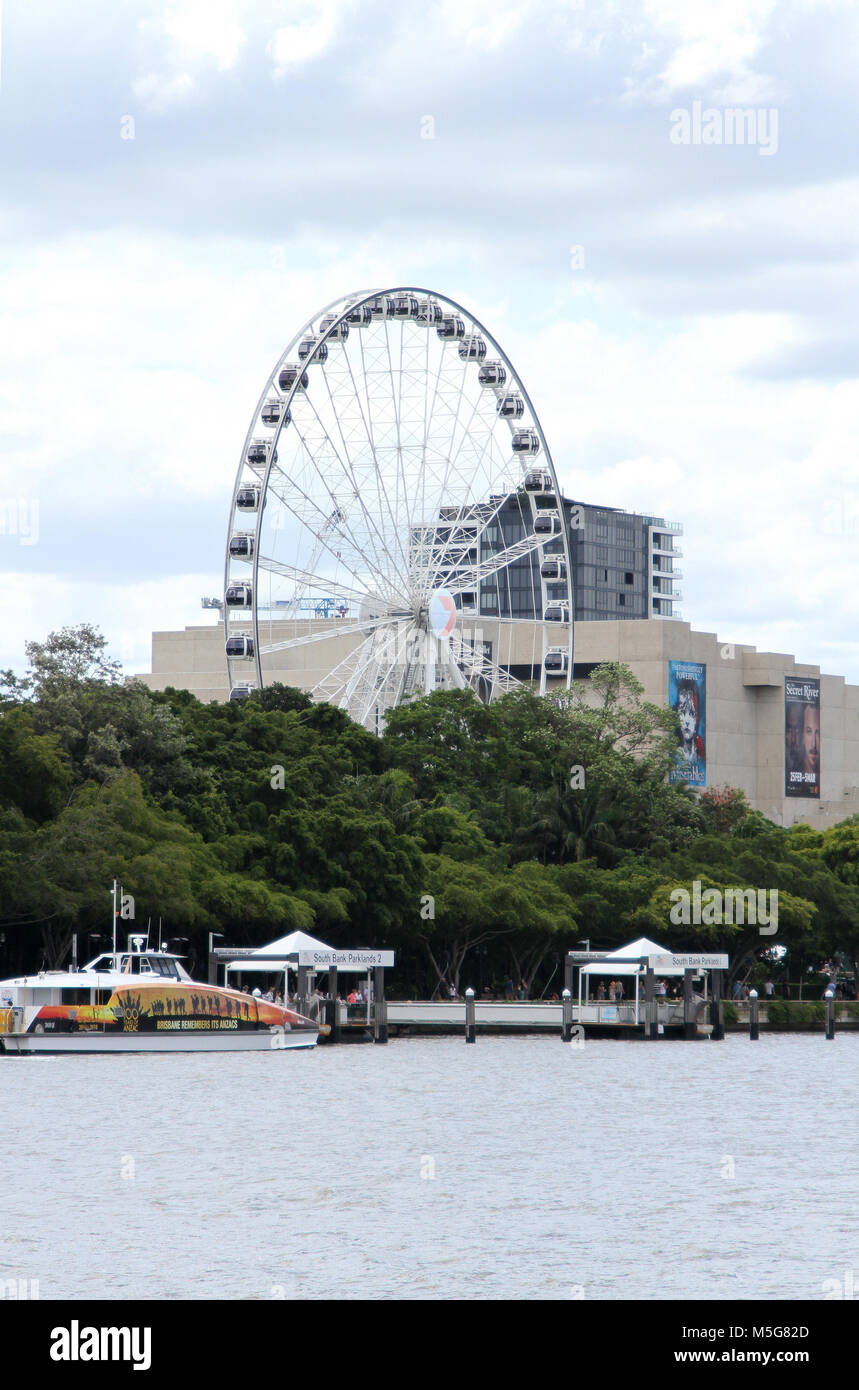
[(166, 968)]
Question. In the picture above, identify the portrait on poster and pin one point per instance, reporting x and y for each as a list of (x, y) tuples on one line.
[(801, 736), (687, 696)]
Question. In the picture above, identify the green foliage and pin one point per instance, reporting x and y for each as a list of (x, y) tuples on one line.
[(461, 836), (793, 1011)]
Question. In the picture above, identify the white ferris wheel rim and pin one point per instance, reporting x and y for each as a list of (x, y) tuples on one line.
[(358, 689)]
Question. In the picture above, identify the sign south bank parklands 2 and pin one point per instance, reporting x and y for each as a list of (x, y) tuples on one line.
[(346, 960)]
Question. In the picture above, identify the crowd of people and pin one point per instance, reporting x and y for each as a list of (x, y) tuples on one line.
[(615, 991)]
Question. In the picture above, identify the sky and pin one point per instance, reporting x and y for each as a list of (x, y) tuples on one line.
[(184, 182)]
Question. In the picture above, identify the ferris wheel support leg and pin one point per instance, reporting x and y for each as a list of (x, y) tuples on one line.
[(457, 679), (430, 663)]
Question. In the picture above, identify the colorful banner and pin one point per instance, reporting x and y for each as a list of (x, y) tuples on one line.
[(687, 695), (801, 736)]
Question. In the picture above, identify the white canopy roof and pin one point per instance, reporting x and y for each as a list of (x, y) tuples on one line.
[(631, 955), (284, 946)]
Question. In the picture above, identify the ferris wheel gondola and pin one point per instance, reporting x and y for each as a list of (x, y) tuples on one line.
[(402, 531)]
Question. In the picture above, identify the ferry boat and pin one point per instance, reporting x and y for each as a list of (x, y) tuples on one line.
[(140, 1000)]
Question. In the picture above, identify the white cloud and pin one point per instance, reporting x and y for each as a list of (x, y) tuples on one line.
[(312, 27), (202, 32), (160, 91), (486, 23)]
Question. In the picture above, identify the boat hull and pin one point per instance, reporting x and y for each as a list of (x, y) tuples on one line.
[(31, 1044)]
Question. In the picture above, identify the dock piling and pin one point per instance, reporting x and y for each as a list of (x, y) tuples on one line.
[(690, 1026), (567, 1018), (332, 1007), (718, 1031), (754, 1023), (651, 1029), (301, 989), (830, 1013), (380, 1006), (469, 1016)]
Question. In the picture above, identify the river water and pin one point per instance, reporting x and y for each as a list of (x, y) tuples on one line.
[(516, 1168)]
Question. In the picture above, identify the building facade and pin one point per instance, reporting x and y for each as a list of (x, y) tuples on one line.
[(624, 563)]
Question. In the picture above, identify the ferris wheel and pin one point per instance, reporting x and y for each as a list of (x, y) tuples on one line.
[(396, 524)]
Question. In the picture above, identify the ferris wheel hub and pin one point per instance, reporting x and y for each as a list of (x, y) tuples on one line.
[(442, 613)]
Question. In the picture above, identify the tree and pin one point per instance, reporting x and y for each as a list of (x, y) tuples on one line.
[(72, 655), (722, 808), (475, 905), (571, 824), (34, 772)]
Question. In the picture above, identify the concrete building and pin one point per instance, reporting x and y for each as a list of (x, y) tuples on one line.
[(742, 710)]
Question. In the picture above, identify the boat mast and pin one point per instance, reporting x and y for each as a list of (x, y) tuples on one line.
[(114, 919)]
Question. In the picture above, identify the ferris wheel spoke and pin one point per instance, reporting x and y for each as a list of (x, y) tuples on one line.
[(382, 497), (308, 578), (449, 459), (395, 380), (371, 527), (401, 565), (376, 689), (482, 509), (472, 575), (367, 424), (338, 678), (314, 511), (480, 665), (339, 630)]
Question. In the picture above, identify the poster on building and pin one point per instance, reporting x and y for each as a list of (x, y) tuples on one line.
[(687, 695), (801, 736)]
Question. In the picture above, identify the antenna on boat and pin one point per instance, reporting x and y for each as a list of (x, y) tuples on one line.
[(159, 933), (114, 925)]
